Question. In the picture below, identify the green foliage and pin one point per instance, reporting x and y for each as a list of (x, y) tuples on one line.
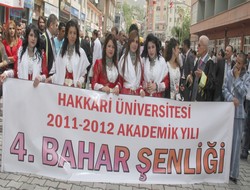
[(183, 31), (127, 14), (131, 13)]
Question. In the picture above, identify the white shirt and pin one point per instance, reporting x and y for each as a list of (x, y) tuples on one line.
[(175, 76), (131, 76), (52, 44), (27, 65), (97, 54), (155, 73), (79, 67)]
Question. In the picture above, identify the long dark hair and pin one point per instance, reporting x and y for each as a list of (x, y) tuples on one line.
[(38, 53), (172, 44), (154, 40), (132, 35), (114, 58), (71, 23)]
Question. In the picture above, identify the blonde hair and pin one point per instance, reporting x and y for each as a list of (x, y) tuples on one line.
[(11, 22)]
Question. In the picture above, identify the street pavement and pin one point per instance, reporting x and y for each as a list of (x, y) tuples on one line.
[(13, 181)]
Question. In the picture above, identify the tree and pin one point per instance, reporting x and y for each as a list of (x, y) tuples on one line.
[(127, 14), (183, 31), (176, 31), (186, 27), (132, 13)]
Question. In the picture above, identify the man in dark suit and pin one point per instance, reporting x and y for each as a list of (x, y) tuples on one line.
[(203, 77), (222, 67), (84, 43), (48, 42), (187, 68)]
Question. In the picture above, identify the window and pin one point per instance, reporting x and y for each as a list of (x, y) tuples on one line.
[(220, 44), (194, 13), (211, 45), (235, 42), (246, 44)]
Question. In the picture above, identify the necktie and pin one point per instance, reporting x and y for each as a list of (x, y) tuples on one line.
[(200, 63), (53, 46), (195, 85)]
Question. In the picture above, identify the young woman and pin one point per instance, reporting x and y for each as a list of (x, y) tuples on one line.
[(130, 67), (105, 72), (31, 63), (12, 44), (172, 57), (71, 63), (156, 78)]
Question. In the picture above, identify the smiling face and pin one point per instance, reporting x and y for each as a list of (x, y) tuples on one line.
[(110, 49)]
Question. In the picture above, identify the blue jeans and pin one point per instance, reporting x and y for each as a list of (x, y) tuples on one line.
[(235, 155)]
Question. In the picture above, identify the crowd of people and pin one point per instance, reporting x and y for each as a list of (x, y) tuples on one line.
[(58, 53)]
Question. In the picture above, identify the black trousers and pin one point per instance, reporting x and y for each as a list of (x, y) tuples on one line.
[(246, 134)]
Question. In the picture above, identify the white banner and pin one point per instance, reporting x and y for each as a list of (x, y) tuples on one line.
[(13, 3), (82, 135)]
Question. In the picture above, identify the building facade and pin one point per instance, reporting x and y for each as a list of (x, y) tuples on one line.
[(20, 11), (163, 15), (119, 16), (94, 17), (91, 14), (107, 7), (223, 21)]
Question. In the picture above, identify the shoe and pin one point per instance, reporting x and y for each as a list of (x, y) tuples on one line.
[(234, 180), (244, 155)]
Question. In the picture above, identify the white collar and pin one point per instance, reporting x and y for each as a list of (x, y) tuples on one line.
[(49, 34), (188, 52), (203, 58)]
